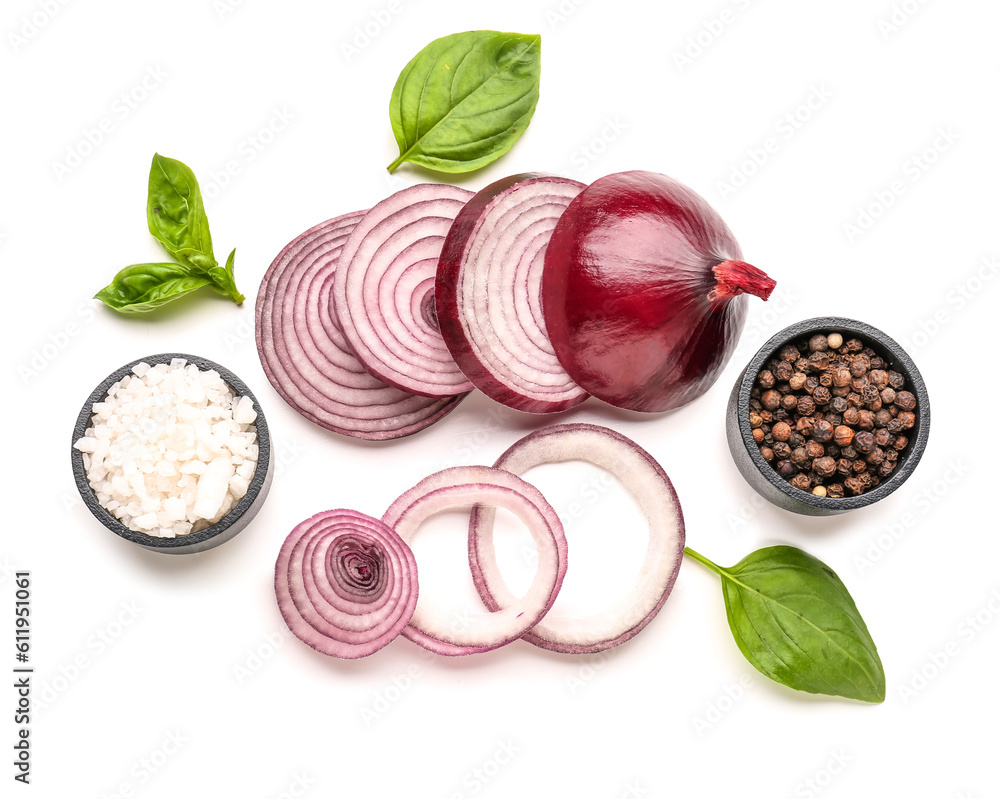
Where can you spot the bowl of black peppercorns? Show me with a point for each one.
(830, 415)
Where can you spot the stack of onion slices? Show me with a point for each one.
(346, 583)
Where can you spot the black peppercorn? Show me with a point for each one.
(882, 417)
(814, 450)
(824, 409)
(789, 353)
(818, 343)
(822, 431)
(905, 401)
(825, 467)
(843, 435)
(786, 469)
(770, 399)
(801, 481)
(781, 450)
(864, 442)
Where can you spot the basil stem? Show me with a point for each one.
(794, 620)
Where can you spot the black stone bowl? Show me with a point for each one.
(763, 477)
(229, 525)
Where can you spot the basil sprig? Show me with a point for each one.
(465, 99)
(175, 213)
(794, 620)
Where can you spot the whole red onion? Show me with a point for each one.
(642, 291)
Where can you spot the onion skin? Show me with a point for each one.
(496, 360)
(644, 291)
(345, 583)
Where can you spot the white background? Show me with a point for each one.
(902, 93)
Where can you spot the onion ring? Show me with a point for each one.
(462, 486)
(639, 472)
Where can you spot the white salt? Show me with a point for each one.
(170, 449)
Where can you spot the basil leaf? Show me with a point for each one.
(141, 288)
(223, 280)
(175, 213)
(465, 99)
(795, 621)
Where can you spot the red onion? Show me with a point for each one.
(642, 291)
(489, 292)
(346, 584)
(383, 294)
(306, 357)
(639, 472)
(464, 486)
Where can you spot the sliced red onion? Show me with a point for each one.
(306, 357)
(643, 477)
(464, 486)
(489, 292)
(383, 294)
(346, 584)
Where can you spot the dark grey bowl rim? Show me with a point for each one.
(884, 345)
(192, 542)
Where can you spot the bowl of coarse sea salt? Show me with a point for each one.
(172, 453)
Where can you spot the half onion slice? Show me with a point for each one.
(643, 477)
(383, 294)
(346, 584)
(464, 486)
(489, 285)
(306, 357)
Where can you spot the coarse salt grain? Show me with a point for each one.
(170, 449)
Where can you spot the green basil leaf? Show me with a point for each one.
(223, 280)
(794, 620)
(141, 288)
(175, 213)
(465, 99)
